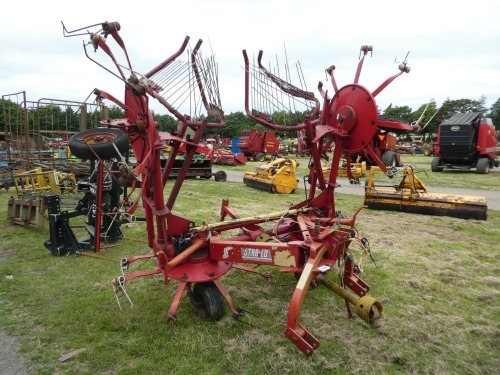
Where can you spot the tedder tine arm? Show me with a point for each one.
(287, 87)
(169, 60)
(364, 50)
(403, 67)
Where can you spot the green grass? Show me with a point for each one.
(437, 278)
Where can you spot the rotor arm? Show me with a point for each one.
(151, 89)
(364, 50)
(403, 68)
(112, 28)
(98, 41)
(105, 95)
(169, 60)
(386, 83)
(323, 93)
(329, 71)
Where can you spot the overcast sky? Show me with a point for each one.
(454, 48)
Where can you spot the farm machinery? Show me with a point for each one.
(277, 176)
(384, 143)
(466, 141)
(411, 195)
(211, 149)
(259, 145)
(220, 156)
(310, 240)
(37, 182)
(357, 168)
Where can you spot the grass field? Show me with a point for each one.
(437, 278)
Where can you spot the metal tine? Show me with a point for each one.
(240, 309)
(66, 32)
(243, 312)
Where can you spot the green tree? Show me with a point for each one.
(10, 117)
(166, 123)
(49, 117)
(115, 112)
(451, 107)
(403, 112)
(235, 123)
(494, 114)
(426, 116)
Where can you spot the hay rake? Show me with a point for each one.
(309, 239)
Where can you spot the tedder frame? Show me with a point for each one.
(310, 239)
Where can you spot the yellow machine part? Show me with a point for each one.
(358, 169)
(411, 195)
(39, 182)
(277, 176)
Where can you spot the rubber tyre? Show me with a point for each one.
(389, 159)
(220, 176)
(98, 143)
(483, 166)
(208, 301)
(436, 164)
(260, 157)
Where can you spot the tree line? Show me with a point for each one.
(429, 114)
(59, 118)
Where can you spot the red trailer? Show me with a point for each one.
(259, 145)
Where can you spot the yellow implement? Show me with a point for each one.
(38, 182)
(358, 169)
(277, 176)
(411, 195)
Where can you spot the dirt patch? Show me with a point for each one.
(11, 361)
(5, 254)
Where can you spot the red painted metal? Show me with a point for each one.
(310, 238)
(253, 143)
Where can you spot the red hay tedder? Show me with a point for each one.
(309, 239)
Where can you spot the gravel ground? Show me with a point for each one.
(11, 361)
(14, 363)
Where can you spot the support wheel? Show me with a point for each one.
(483, 166)
(220, 176)
(437, 164)
(208, 301)
(98, 143)
(389, 159)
